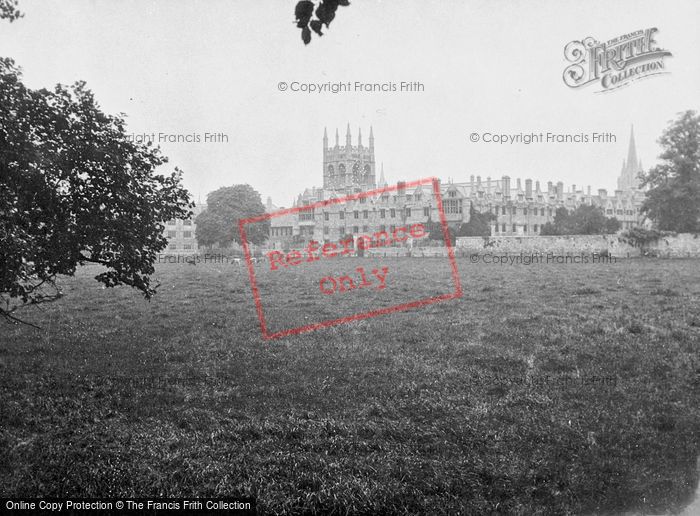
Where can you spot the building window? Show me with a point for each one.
(187, 222)
(503, 228)
(426, 212)
(382, 213)
(363, 200)
(365, 229)
(171, 222)
(453, 206)
(503, 212)
(172, 234)
(542, 212)
(326, 215)
(535, 228)
(525, 228)
(382, 228)
(172, 247)
(408, 212)
(306, 215)
(418, 197)
(392, 228)
(409, 197)
(356, 214)
(355, 229)
(187, 234)
(365, 214)
(452, 193)
(326, 230)
(496, 228)
(341, 230)
(392, 213)
(187, 247)
(342, 215)
(514, 229)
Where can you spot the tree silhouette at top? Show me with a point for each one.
(9, 11)
(325, 13)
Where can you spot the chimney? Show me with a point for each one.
(478, 183)
(573, 188)
(488, 185)
(602, 192)
(519, 186)
(528, 188)
(560, 190)
(472, 187)
(550, 188)
(537, 187)
(589, 190)
(506, 187)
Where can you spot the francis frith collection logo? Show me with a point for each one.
(616, 62)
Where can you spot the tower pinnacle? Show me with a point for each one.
(631, 167)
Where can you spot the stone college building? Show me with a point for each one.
(520, 207)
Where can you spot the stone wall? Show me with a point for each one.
(683, 245)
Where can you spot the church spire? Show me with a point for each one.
(359, 137)
(325, 138)
(371, 138)
(348, 138)
(382, 179)
(628, 179)
(337, 140)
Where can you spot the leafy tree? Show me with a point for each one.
(74, 189)
(9, 11)
(435, 232)
(325, 13)
(584, 220)
(673, 200)
(218, 224)
(479, 224)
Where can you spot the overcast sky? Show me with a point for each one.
(186, 67)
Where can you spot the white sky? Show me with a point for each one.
(182, 66)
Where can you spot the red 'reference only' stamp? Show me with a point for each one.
(360, 276)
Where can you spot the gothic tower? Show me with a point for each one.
(347, 167)
(630, 168)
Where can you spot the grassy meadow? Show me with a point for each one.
(545, 389)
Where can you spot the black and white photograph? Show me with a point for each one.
(350, 257)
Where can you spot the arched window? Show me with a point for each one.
(367, 172)
(331, 171)
(356, 172)
(341, 172)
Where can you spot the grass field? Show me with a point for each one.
(545, 389)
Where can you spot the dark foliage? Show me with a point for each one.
(74, 189)
(584, 220)
(9, 11)
(479, 224)
(218, 224)
(640, 237)
(673, 201)
(325, 13)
